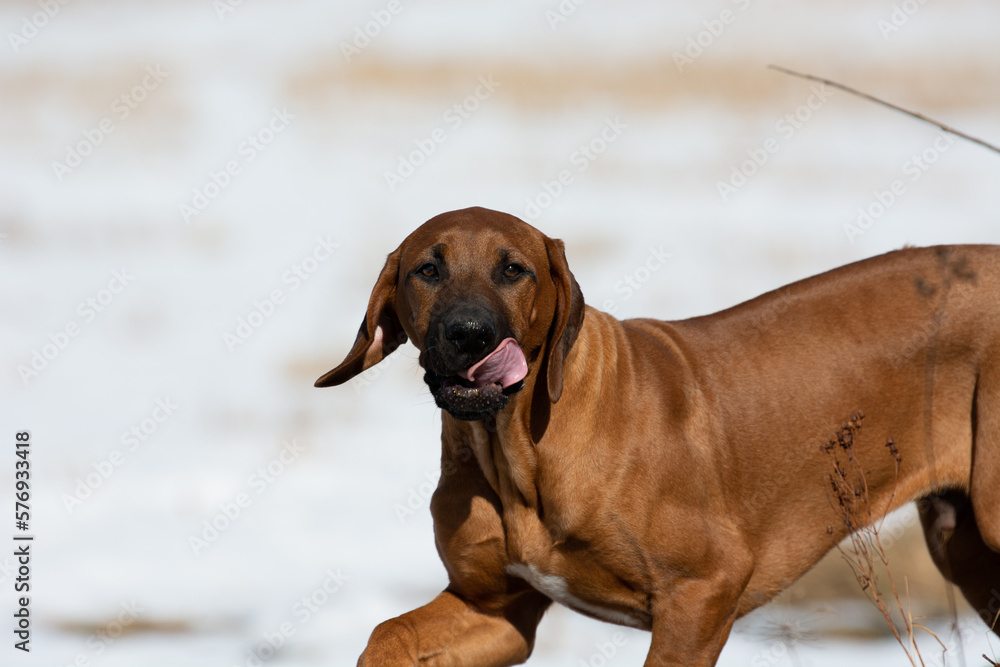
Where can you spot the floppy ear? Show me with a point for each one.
(567, 319)
(380, 333)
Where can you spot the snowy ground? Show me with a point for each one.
(248, 160)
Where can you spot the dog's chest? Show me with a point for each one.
(577, 577)
(578, 567)
(557, 588)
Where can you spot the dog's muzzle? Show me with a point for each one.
(469, 373)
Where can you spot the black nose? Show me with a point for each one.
(468, 335)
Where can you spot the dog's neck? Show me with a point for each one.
(502, 447)
(505, 444)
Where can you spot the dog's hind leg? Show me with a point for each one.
(957, 548)
(984, 488)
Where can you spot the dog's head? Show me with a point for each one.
(486, 298)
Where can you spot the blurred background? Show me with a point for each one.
(198, 196)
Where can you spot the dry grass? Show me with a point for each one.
(650, 83)
(864, 552)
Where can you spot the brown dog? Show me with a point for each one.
(671, 476)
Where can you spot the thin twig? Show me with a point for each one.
(918, 116)
(850, 486)
(931, 633)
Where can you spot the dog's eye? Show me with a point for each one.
(428, 270)
(513, 270)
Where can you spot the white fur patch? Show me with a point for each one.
(555, 587)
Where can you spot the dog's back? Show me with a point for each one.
(927, 320)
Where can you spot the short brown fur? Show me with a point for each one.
(669, 475)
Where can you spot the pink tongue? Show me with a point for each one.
(504, 365)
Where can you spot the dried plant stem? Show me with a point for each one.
(849, 484)
(872, 98)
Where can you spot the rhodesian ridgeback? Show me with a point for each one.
(673, 476)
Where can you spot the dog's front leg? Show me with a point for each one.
(485, 618)
(450, 632)
(692, 620)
